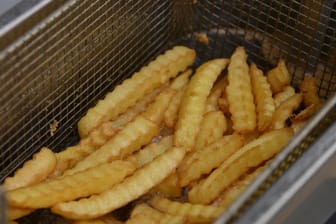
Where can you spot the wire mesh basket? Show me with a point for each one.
(59, 57)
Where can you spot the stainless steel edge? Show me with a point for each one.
(265, 200)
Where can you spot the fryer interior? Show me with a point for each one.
(72, 53)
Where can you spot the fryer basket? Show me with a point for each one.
(58, 58)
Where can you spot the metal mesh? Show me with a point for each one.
(58, 62)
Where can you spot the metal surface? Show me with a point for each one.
(59, 57)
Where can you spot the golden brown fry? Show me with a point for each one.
(156, 215)
(239, 93)
(181, 81)
(249, 156)
(150, 152)
(136, 134)
(284, 111)
(142, 219)
(102, 220)
(125, 95)
(279, 77)
(193, 102)
(170, 115)
(203, 161)
(169, 187)
(263, 98)
(309, 90)
(156, 110)
(193, 212)
(216, 92)
(15, 213)
(71, 155)
(131, 188)
(95, 180)
(233, 192)
(307, 112)
(286, 93)
(213, 127)
(32, 171)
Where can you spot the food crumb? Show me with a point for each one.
(53, 127)
(202, 38)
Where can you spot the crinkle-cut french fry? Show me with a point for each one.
(285, 110)
(193, 102)
(193, 212)
(95, 180)
(32, 171)
(298, 125)
(101, 220)
(138, 108)
(181, 81)
(71, 155)
(216, 92)
(263, 97)
(160, 217)
(169, 187)
(142, 219)
(153, 75)
(279, 77)
(156, 110)
(239, 93)
(131, 188)
(249, 156)
(309, 90)
(286, 93)
(210, 157)
(150, 152)
(15, 213)
(213, 126)
(170, 115)
(130, 139)
(233, 192)
(307, 112)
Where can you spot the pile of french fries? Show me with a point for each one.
(180, 145)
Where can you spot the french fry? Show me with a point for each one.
(155, 111)
(71, 155)
(216, 92)
(152, 76)
(239, 93)
(131, 188)
(33, 171)
(250, 136)
(159, 217)
(285, 110)
(263, 97)
(193, 102)
(142, 219)
(102, 220)
(15, 213)
(233, 192)
(279, 77)
(249, 156)
(170, 115)
(130, 139)
(213, 126)
(223, 103)
(181, 81)
(46, 194)
(309, 90)
(282, 96)
(203, 161)
(169, 187)
(193, 212)
(307, 112)
(150, 152)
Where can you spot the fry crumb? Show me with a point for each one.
(53, 127)
(202, 38)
